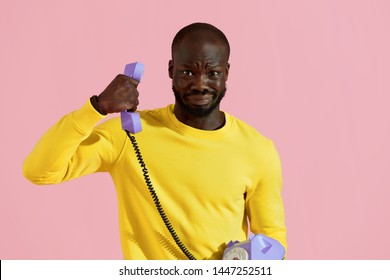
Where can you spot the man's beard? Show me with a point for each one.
(199, 112)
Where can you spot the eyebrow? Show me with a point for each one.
(208, 65)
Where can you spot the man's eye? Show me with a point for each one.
(213, 73)
(187, 72)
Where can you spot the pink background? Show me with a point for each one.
(311, 75)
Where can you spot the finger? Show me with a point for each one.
(133, 81)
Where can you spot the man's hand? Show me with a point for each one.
(120, 95)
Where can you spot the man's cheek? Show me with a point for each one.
(181, 84)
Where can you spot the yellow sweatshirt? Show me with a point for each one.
(208, 182)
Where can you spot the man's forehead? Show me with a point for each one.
(189, 50)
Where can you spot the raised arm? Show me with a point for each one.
(73, 147)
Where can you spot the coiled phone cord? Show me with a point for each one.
(157, 203)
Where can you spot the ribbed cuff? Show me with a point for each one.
(86, 117)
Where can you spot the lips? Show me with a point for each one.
(199, 99)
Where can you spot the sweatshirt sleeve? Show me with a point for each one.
(265, 205)
(70, 149)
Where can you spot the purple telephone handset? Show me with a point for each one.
(131, 121)
(258, 247)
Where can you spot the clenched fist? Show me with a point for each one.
(120, 95)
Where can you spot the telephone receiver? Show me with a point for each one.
(131, 121)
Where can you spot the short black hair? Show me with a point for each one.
(199, 27)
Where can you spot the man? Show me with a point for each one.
(212, 172)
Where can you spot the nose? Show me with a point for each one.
(200, 83)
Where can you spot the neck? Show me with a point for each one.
(213, 121)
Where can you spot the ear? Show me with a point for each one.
(227, 71)
(170, 69)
